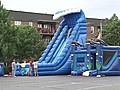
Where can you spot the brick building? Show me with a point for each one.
(46, 25)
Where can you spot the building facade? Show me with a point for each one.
(45, 24)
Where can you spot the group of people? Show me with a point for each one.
(33, 65)
(33, 68)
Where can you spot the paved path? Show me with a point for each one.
(64, 82)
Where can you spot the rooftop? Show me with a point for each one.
(41, 17)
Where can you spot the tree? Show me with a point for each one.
(111, 31)
(4, 26)
(29, 43)
(18, 42)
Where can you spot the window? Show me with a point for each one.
(17, 22)
(39, 25)
(45, 26)
(30, 23)
(92, 29)
(48, 26)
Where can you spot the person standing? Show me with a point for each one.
(30, 68)
(35, 68)
(13, 68)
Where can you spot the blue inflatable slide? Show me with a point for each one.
(56, 58)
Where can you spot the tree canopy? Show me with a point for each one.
(18, 42)
(29, 43)
(111, 31)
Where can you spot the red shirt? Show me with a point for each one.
(30, 63)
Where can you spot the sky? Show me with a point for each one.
(92, 8)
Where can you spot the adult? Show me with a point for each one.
(30, 68)
(13, 68)
(35, 68)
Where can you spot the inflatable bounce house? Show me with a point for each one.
(95, 58)
(69, 51)
(1, 69)
(22, 69)
(56, 58)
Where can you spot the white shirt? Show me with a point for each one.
(35, 64)
(13, 66)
